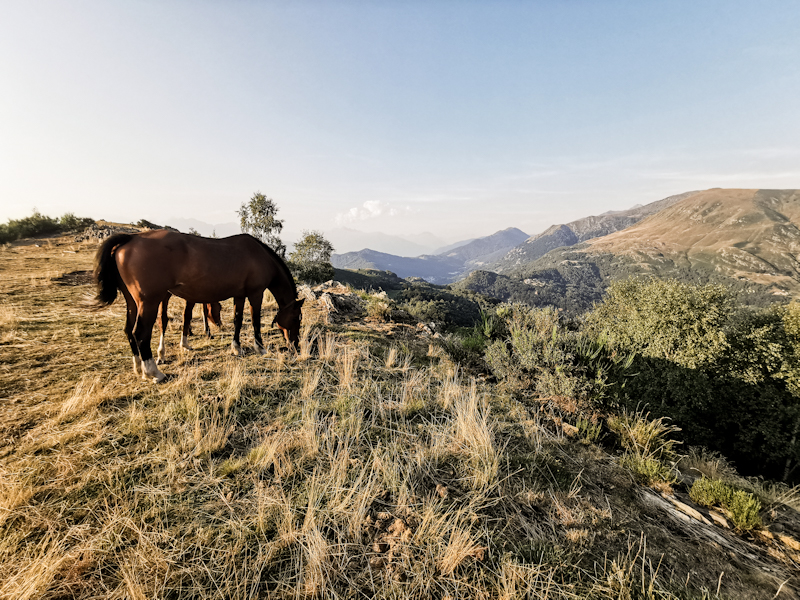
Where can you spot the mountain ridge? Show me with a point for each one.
(435, 268)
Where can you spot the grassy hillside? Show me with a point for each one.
(579, 231)
(368, 465)
(751, 235)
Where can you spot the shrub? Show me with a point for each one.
(742, 506)
(39, 224)
(649, 449)
(378, 306)
(542, 355)
(728, 377)
(69, 222)
(647, 470)
(664, 319)
(645, 437)
(429, 303)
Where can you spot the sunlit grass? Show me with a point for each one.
(383, 469)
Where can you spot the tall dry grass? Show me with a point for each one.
(353, 470)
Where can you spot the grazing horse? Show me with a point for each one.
(211, 312)
(148, 266)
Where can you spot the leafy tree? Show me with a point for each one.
(258, 217)
(311, 259)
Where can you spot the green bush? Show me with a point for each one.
(540, 354)
(742, 506)
(727, 376)
(646, 469)
(39, 224)
(429, 303)
(69, 222)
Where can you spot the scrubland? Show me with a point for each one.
(368, 465)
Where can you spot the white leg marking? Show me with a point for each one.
(185, 343)
(236, 349)
(150, 369)
(162, 350)
(137, 366)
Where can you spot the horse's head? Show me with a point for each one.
(213, 313)
(288, 319)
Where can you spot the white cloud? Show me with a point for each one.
(371, 209)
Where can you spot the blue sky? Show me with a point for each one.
(458, 118)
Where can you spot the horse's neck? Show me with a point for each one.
(283, 291)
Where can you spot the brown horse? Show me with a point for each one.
(148, 266)
(211, 312)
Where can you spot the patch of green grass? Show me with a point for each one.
(646, 469)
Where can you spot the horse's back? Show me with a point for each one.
(195, 268)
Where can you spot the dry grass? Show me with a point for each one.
(9, 322)
(353, 471)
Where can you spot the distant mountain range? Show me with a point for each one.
(580, 231)
(345, 239)
(501, 251)
(451, 264)
(747, 239)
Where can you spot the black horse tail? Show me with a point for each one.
(106, 274)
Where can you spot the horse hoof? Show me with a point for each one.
(236, 349)
(149, 369)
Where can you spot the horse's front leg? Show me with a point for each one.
(255, 313)
(162, 344)
(238, 317)
(187, 326)
(143, 332)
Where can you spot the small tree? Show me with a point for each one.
(258, 218)
(311, 259)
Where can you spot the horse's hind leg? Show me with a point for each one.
(130, 321)
(255, 313)
(238, 316)
(162, 345)
(143, 332)
(206, 328)
(187, 326)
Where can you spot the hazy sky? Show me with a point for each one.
(455, 117)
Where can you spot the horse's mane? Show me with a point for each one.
(281, 265)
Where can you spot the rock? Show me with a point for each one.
(95, 232)
(305, 291)
(687, 510)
